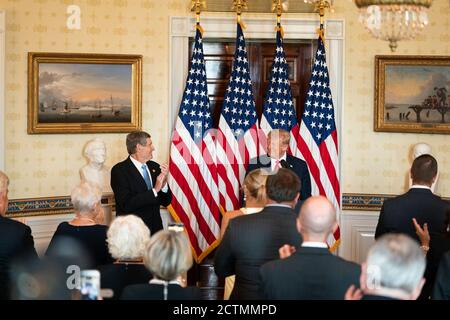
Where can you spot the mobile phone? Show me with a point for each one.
(175, 226)
(90, 285)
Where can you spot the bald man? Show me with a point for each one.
(310, 272)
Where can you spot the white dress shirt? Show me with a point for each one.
(138, 166)
(314, 244)
(273, 162)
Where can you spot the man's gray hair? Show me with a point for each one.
(127, 237)
(4, 182)
(134, 138)
(395, 261)
(85, 196)
(168, 255)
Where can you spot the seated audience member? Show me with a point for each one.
(127, 238)
(441, 289)
(393, 270)
(252, 240)
(16, 241)
(419, 202)
(40, 280)
(255, 199)
(434, 245)
(85, 228)
(168, 256)
(311, 272)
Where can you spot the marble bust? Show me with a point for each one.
(95, 171)
(420, 149)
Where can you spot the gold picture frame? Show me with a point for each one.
(84, 93)
(412, 94)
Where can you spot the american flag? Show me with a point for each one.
(318, 140)
(237, 139)
(278, 108)
(192, 167)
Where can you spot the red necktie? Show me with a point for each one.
(277, 164)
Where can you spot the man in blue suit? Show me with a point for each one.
(140, 184)
(277, 157)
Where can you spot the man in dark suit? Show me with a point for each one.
(419, 202)
(441, 290)
(277, 157)
(16, 241)
(310, 272)
(139, 184)
(251, 240)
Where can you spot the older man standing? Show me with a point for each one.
(139, 184)
(16, 240)
(277, 157)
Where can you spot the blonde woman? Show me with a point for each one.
(127, 239)
(255, 200)
(168, 256)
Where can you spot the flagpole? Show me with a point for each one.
(321, 5)
(239, 5)
(198, 4)
(277, 5)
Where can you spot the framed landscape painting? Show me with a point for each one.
(412, 94)
(84, 93)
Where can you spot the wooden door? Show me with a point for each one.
(219, 58)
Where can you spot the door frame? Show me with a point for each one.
(182, 28)
(2, 88)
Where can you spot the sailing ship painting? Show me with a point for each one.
(417, 94)
(84, 93)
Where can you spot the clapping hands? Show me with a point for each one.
(161, 180)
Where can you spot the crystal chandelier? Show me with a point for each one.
(394, 20)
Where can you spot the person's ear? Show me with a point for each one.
(416, 293)
(363, 277)
(334, 227)
(298, 224)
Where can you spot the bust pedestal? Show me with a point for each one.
(107, 204)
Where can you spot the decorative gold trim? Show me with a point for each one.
(366, 3)
(368, 202)
(61, 205)
(48, 206)
(380, 124)
(35, 58)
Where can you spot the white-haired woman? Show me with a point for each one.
(85, 230)
(168, 256)
(127, 239)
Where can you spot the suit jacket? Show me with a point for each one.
(308, 274)
(439, 245)
(249, 242)
(441, 290)
(295, 164)
(397, 213)
(156, 292)
(16, 242)
(133, 197)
